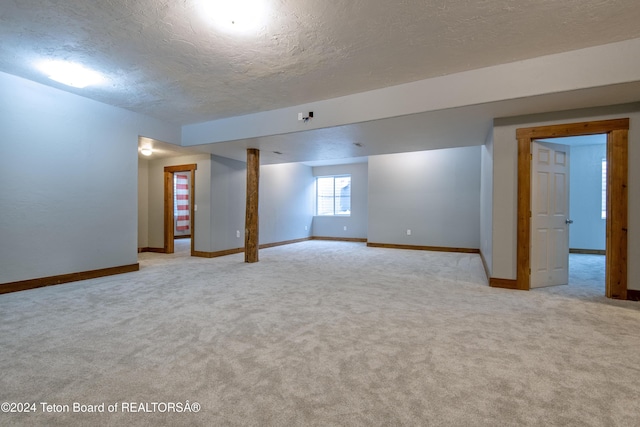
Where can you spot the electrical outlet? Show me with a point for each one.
(306, 228)
(345, 228)
(195, 208)
(300, 116)
(238, 234)
(408, 232)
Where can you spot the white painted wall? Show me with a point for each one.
(357, 222)
(69, 173)
(505, 155)
(435, 194)
(286, 202)
(202, 219)
(588, 230)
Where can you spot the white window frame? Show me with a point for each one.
(334, 212)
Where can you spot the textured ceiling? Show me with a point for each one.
(164, 60)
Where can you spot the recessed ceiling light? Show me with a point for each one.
(71, 74)
(237, 16)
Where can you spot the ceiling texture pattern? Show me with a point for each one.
(163, 59)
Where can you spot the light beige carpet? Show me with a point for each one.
(320, 334)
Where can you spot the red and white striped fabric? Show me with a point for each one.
(182, 202)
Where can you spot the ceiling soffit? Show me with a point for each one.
(163, 60)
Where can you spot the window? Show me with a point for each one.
(333, 195)
(604, 189)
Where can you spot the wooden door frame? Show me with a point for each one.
(168, 204)
(617, 172)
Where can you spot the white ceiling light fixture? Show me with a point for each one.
(71, 74)
(146, 151)
(235, 16)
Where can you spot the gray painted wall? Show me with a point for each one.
(228, 202)
(69, 168)
(143, 203)
(505, 156)
(588, 230)
(286, 202)
(435, 194)
(357, 222)
(202, 219)
(486, 201)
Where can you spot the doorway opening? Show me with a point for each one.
(616, 132)
(179, 181)
(580, 229)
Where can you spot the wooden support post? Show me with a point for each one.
(251, 217)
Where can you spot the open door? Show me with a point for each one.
(549, 214)
(170, 209)
(617, 131)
